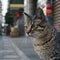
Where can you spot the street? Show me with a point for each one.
(19, 48)
(35, 16)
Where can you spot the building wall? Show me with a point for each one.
(42, 5)
(0, 17)
(56, 14)
(1, 13)
(16, 1)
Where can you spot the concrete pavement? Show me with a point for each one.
(17, 49)
(21, 48)
(25, 45)
(1, 48)
(10, 51)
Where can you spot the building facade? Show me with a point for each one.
(1, 17)
(56, 14)
(52, 11)
(16, 4)
(0, 12)
(16, 8)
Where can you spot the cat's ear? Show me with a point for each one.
(42, 15)
(28, 15)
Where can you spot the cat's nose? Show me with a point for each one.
(28, 34)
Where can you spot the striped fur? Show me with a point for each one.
(43, 41)
(43, 37)
(44, 44)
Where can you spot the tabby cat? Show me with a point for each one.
(43, 37)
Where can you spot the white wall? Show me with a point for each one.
(42, 4)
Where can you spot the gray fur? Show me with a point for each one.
(43, 37)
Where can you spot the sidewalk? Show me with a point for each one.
(11, 52)
(25, 44)
(1, 47)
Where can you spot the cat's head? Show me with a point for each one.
(38, 22)
(36, 29)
